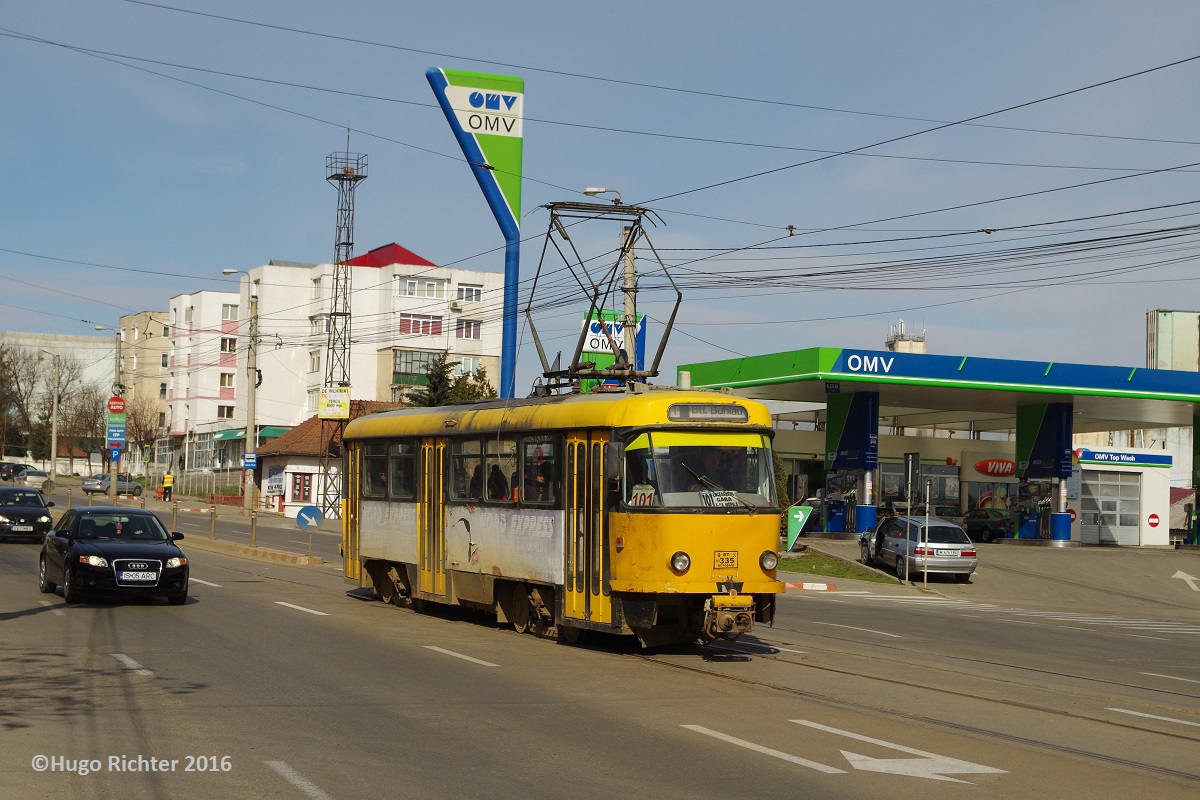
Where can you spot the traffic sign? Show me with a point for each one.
(1153, 520)
(250, 461)
(115, 455)
(116, 404)
(309, 517)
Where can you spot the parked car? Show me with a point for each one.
(106, 550)
(942, 511)
(36, 479)
(908, 547)
(24, 514)
(98, 484)
(9, 472)
(988, 524)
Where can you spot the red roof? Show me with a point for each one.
(387, 255)
(311, 438)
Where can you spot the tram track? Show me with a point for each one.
(843, 703)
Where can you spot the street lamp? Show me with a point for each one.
(54, 415)
(251, 393)
(118, 389)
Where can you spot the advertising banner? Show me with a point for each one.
(333, 402)
(597, 348)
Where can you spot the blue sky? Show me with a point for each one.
(156, 184)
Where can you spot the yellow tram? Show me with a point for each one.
(650, 513)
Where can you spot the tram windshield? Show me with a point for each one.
(690, 469)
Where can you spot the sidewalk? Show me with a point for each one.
(1109, 580)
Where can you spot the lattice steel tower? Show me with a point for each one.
(345, 171)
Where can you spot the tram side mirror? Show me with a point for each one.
(612, 460)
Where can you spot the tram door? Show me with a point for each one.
(351, 566)
(431, 519)
(586, 593)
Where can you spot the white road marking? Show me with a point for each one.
(131, 664)
(867, 630)
(1018, 621)
(804, 762)
(460, 655)
(299, 781)
(733, 649)
(1170, 677)
(301, 608)
(1155, 638)
(56, 611)
(206, 583)
(1153, 716)
(929, 765)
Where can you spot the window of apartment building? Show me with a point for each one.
(316, 288)
(467, 365)
(468, 329)
(319, 325)
(162, 417)
(162, 391)
(470, 292)
(420, 287)
(224, 412)
(187, 315)
(163, 360)
(420, 325)
(226, 380)
(166, 331)
(314, 360)
(133, 363)
(228, 344)
(313, 396)
(229, 312)
(412, 362)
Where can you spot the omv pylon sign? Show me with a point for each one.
(486, 113)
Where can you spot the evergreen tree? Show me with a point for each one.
(439, 381)
(473, 386)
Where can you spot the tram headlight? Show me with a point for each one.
(769, 560)
(681, 561)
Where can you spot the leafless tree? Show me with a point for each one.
(141, 421)
(82, 419)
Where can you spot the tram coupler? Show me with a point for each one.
(728, 616)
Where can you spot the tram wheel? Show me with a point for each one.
(520, 609)
(570, 635)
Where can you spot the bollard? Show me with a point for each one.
(68, 499)
(89, 496)
(174, 515)
(212, 522)
(141, 501)
(253, 528)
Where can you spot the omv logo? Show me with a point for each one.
(614, 328)
(490, 101)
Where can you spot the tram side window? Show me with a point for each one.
(466, 470)
(539, 471)
(375, 466)
(402, 464)
(501, 469)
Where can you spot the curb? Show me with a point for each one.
(254, 552)
(812, 587)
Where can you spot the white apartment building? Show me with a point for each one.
(202, 379)
(405, 310)
(145, 356)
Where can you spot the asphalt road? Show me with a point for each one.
(273, 681)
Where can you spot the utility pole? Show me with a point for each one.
(629, 288)
(114, 461)
(252, 391)
(54, 420)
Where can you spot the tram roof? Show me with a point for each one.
(960, 392)
(574, 411)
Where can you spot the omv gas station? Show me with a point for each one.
(985, 432)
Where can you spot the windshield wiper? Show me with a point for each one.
(704, 481)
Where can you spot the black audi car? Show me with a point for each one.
(24, 514)
(113, 551)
